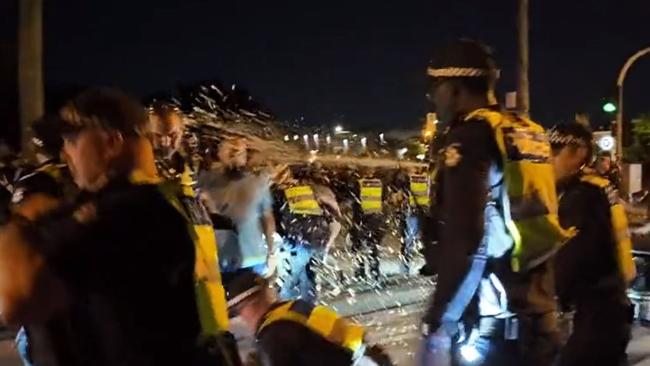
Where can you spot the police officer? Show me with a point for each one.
(167, 132)
(369, 226)
(296, 333)
(608, 169)
(593, 269)
(308, 222)
(413, 187)
(82, 266)
(494, 300)
(173, 164)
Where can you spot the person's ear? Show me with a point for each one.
(114, 143)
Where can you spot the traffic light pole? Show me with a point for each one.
(619, 113)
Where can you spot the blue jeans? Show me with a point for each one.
(22, 345)
(297, 275)
(410, 234)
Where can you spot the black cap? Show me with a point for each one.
(105, 108)
(463, 58)
(569, 134)
(245, 284)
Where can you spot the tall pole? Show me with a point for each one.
(523, 96)
(30, 65)
(619, 83)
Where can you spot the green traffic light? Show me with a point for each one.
(609, 107)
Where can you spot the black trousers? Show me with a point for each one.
(601, 332)
(366, 237)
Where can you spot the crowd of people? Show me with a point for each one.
(123, 243)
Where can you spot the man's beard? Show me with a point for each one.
(164, 153)
(234, 171)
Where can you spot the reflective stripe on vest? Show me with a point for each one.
(530, 202)
(420, 189)
(620, 230)
(320, 320)
(371, 193)
(302, 201)
(210, 294)
(53, 170)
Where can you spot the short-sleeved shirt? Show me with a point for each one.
(243, 198)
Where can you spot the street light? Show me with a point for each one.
(619, 83)
(609, 107)
(338, 129)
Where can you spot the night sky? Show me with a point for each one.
(359, 62)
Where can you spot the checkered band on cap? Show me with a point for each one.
(243, 296)
(458, 72)
(557, 138)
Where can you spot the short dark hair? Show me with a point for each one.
(105, 108)
(163, 109)
(605, 154)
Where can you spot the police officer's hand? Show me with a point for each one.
(271, 263)
(36, 205)
(435, 349)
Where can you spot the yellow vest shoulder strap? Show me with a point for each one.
(618, 217)
(530, 198)
(209, 290)
(595, 180)
(319, 319)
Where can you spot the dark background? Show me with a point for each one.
(360, 63)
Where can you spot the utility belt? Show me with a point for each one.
(499, 328)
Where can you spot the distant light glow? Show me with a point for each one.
(420, 156)
(338, 129)
(295, 137)
(286, 138)
(609, 107)
(606, 143)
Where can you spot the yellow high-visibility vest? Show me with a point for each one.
(620, 229)
(320, 320)
(530, 202)
(302, 201)
(210, 293)
(371, 195)
(419, 184)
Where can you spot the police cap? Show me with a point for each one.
(464, 58)
(574, 134)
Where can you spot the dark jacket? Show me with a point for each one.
(129, 276)
(464, 185)
(589, 258)
(468, 152)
